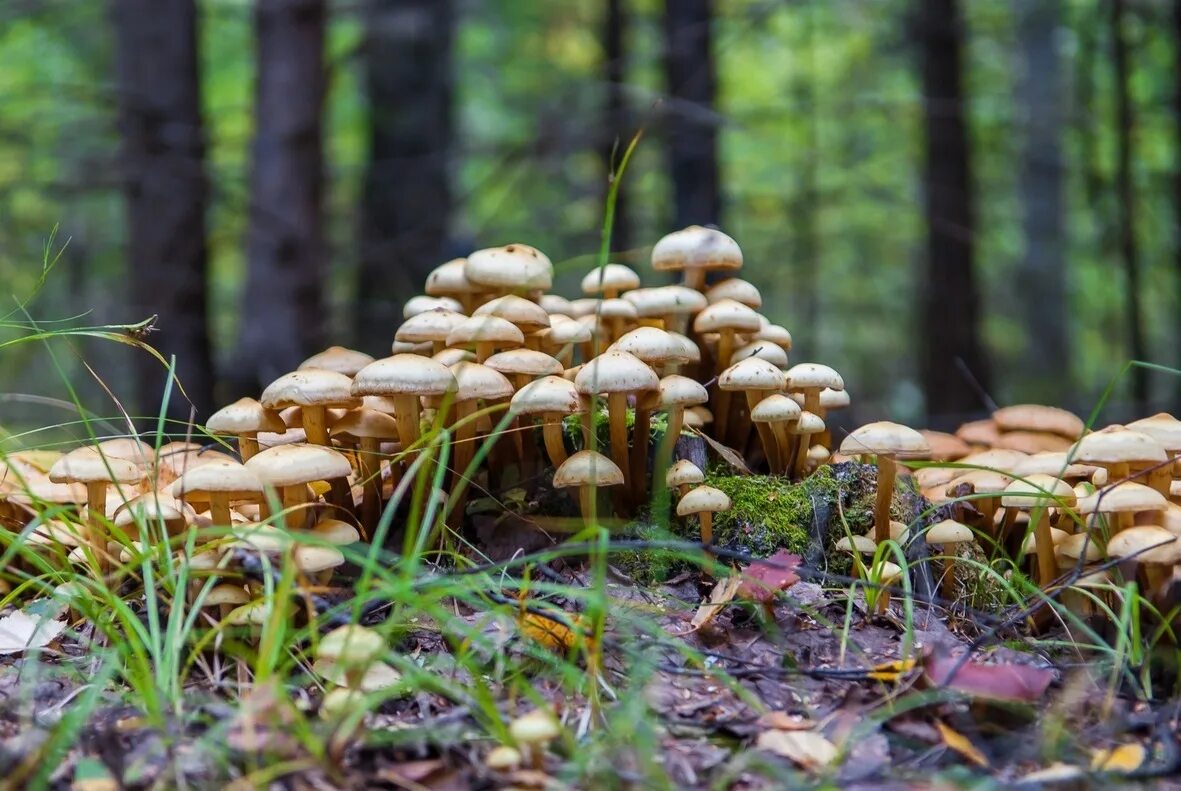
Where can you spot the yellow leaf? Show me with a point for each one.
(552, 634)
(808, 749)
(891, 671)
(1124, 758)
(958, 742)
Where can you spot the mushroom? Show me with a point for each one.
(758, 379)
(368, 428)
(218, 485)
(421, 304)
(695, 251)
(532, 732)
(944, 447)
(1037, 493)
(338, 359)
(980, 434)
(529, 317)
(87, 465)
(683, 475)
(522, 366)
(552, 398)
(609, 281)
(949, 534)
(727, 318)
(666, 307)
(1154, 549)
(511, 269)
(1040, 419)
(887, 442)
(314, 391)
(1117, 449)
(405, 378)
(1166, 430)
(431, 326)
(776, 412)
(737, 289)
(1125, 500)
(449, 281)
(703, 502)
(883, 574)
(616, 315)
(486, 334)
(289, 468)
(808, 425)
(474, 383)
(676, 394)
(352, 649)
(588, 471)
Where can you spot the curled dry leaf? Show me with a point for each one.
(808, 749)
(22, 632)
(722, 594)
(961, 744)
(763, 579)
(1020, 683)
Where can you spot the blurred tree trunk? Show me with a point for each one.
(950, 309)
(616, 118)
(1125, 205)
(407, 200)
(1041, 276)
(690, 118)
(1177, 167)
(163, 161)
(805, 208)
(283, 310)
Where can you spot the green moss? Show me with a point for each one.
(651, 566)
(572, 425)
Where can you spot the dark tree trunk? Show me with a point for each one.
(1125, 205)
(1177, 165)
(949, 324)
(163, 159)
(616, 117)
(1041, 278)
(407, 200)
(691, 121)
(806, 204)
(283, 307)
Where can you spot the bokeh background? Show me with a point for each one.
(949, 201)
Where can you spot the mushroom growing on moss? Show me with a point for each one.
(887, 442)
(588, 471)
(703, 502)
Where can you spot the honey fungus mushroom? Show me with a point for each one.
(886, 442)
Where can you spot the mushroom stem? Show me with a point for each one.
(722, 397)
(694, 278)
(219, 509)
(1047, 564)
(96, 512)
(465, 439)
(293, 498)
(947, 583)
(369, 460)
(586, 502)
(315, 424)
(639, 451)
(617, 418)
(555, 443)
(799, 463)
(766, 434)
(484, 350)
(706, 518)
(782, 447)
(883, 497)
(247, 446)
(406, 415)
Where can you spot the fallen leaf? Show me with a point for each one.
(1022, 683)
(961, 744)
(1054, 773)
(722, 594)
(807, 749)
(21, 632)
(782, 721)
(728, 455)
(891, 671)
(1124, 758)
(551, 633)
(762, 579)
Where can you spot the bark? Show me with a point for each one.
(691, 121)
(409, 80)
(283, 308)
(616, 116)
(1125, 205)
(1041, 277)
(164, 183)
(950, 317)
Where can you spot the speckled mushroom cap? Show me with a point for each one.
(548, 394)
(421, 304)
(1165, 547)
(834, 399)
(449, 279)
(587, 468)
(1038, 489)
(311, 387)
(1036, 417)
(524, 361)
(703, 499)
(1162, 427)
(696, 247)
(677, 390)
(429, 326)
(752, 373)
(479, 381)
(485, 329)
(808, 375)
(666, 300)
(527, 316)
(884, 438)
(1126, 497)
(243, 416)
(726, 314)
(736, 289)
(88, 465)
(338, 359)
(616, 372)
(683, 473)
(690, 350)
(653, 346)
(404, 374)
(1117, 444)
(764, 350)
(510, 268)
(776, 408)
(366, 424)
(291, 465)
(773, 333)
(226, 477)
(610, 277)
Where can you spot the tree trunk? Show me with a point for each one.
(691, 120)
(407, 200)
(950, 315)
(1041, 277)
(805, 208)
(1177, 169)
(1125, 206)
(163, 160)
(616, 118)
(283, 308)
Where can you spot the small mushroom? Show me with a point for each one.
(703, 502)
(949, 534)
(245, 418)
(886, 441)
(588, 471)
(532, 732)
(682, 476)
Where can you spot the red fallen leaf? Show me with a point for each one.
(1022, 683)
(762, 579)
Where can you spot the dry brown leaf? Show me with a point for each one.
(782, 721)
(728, 455)
(961, 744)
(722, 594)
(808, 749)
(20, 632)
(1124, 758)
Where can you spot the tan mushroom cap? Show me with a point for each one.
(885, 572)
(1074, 545)
(527, 316)
(1038, 489)
(583, 306)
(776, 408)
(338, 359)
(336, 532)
(616, 372)
(774, 333)
(548, 394)
(567, 331)
(808, 423)
(949, 532)
(726, 314)
(1004, 459)
(225, 477)
(616, 308)
(536, 727)
(677, 390)
(610, 277)
(1165, 547)
(1029, 546)
(666, 300)
(88, 465)
(806, 375)
(291, 465)
(485, 329)
(653, 346)
(449, 279)
(351, 646)
(683, 473)
(429, 326)
(401, 347)
(243, 416)
(703, 499)
(449, 357)
(764, 350)
(991, 482)
(862, 545)
(421, 304)
(1036, 417)
(366, 424)
(314, 559)
(944, 446)
(479, 381)
(554, 304)
(311, 387)
(834, 399)
(1033, 441)
(33, 486)
(884, 438)
(737, 289)
(226, 593)
(153, 507)
(691, 352)
(1117, 444)
(524, 361)
(1126, 497)
(1162, 427)
(1051, 463)
(509, 268)
(696, 247)
(752, 374)
(979, 432)
(587, 468)
(404, 374)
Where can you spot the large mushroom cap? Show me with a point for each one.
(752, 373)
(338, 359)
(243, 416)
(510, 268)
(696, 247)
(884, 438)
(944, 446)
(1154, 545)
(449, 279)
(224, 477)
(404, 374)
(1126, 497)
(610, 277)
(587, 468)
(291, 465)
(949, 532)
(527, 316)
(1036, 417)
(429, 326)
(366, 424)
(485, 329)
(1117, 444)
(726, 314)
(807, 375)
(479, 381)
(616, 372)
(776, 408)
(88, 465)
(677, 390)
(736, 289)
(526, 362)
(666, 300)
(653, 346)
(703, 499)
(310, 387)
(548, 394)
(1038, 489)
(1162, 427)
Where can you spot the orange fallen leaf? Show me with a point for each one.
(549, 632)
(961, 744)
(891, 671)
(1124, 758)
